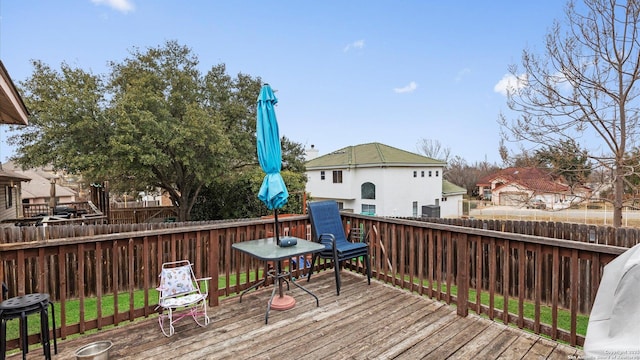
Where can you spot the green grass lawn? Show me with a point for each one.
(564, 316)
(72, 307)
(90, 305)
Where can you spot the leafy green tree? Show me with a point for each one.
(236, 196)
(567, 160)
(68, 127)
(632, 178)
(155, 120)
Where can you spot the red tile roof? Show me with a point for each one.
(535, 179)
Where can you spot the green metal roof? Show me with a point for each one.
(369, 155)
(449, 188)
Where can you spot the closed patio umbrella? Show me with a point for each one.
(273, 191)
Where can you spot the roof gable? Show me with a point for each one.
(370, 155)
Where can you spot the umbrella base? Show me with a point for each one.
(284, 302)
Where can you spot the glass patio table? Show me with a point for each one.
(267, 250)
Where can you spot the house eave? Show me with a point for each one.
(12, 108)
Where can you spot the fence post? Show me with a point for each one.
(462, 280)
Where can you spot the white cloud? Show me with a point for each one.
(462, 74)
(359, 44)
(123, 6)
(407, 89)
(510, 83)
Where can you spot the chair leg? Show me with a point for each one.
(201, 310)
(167, 329)
(368, 262)
(24, 336)
(44, 331)
(336, 267)
(3, 338)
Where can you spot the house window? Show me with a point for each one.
(429, 173)
(415, 206)
(437, 172)
(368, 209)
(322, 175)
(486, 194)
(8, 191)
(337, 176)
(422, 173)
(415, 174)
(368, 191)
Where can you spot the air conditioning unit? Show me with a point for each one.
(431, 211)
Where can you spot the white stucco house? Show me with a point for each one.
(381, 180)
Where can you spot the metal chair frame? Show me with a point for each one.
(181, 295)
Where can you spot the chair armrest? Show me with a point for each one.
(204, 281)
(331, 239)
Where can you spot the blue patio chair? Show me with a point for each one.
(181, 295)
(326, 228)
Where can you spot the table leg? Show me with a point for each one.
(273, 293)
(254, 286)
(308, 292)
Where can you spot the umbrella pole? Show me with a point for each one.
(279, 269)
(275, 230)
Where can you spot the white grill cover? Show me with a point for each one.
(614, 324)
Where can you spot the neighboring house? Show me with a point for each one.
(14, 112)
(452, 197)
(377, 179)
(517, 186)
(39, 189)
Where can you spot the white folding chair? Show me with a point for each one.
(181, 295)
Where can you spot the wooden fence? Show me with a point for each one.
(595, 234)
(138, 215)
(140, 219)
(453, 264)
(72, 228)
(115, 215)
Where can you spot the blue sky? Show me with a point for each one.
(345, 72)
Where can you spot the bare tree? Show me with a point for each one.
(584, 86)
(434, 149)
(466, 175)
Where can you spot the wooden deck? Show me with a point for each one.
(364, 322)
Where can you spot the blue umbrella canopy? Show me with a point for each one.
(273, 191)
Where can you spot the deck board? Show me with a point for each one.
(364, 322)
